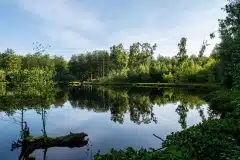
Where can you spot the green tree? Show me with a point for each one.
(118, 57)
(229, 47)
(10, 61)
(2, 76)
(182, 111)
(182, 54)
(61, 69)
(203, 48)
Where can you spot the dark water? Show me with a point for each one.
(111, 117)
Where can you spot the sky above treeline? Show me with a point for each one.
(76, 26)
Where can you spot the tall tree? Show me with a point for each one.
(182, 54)
(203, 48)
(11, 61)
(229, 48)
(118, 57)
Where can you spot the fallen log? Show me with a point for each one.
(30, 144)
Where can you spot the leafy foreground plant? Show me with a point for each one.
(213, 139)
(142, 154)
(226, 103)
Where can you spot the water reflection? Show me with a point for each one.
(29, 144)
(141, 106)
(138, 102)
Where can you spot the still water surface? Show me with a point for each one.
(115, 118)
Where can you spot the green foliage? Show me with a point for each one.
(139, 65)
(32, 76)
(142, 154)
(2, 76)
(118, 57)
(9, 61)
(229, 48)
(182, 54)
(204, 46)
(213, 139)
(11, 64)
(182, 111)
(137, 102)
(168, 77)
(32, 82)
(61, 70)
(225, 102)
(90, 65)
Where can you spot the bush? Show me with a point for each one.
(168, 77)
(2, 76)
(142, 154)
(225, 102)
(212, 139)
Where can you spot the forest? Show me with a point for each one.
(137, 63)
(34, 75)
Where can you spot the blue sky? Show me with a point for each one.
(77, 26)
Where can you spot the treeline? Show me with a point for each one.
(139, 65)
(32, 67)
(119, 65)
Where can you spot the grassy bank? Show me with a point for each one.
(151, 84)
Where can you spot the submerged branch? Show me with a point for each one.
(158, 137)
(31, 144)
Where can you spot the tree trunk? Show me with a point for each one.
(72, 140)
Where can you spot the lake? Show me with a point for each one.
(112, 118)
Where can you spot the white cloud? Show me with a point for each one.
(196, 25)
(65, 22)
(63, 13)
(77, 27)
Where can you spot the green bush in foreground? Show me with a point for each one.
(212, 139)
(226, 102)
(142, 154)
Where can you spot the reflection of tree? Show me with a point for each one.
(61, 97)
(43, 112)
(137, 101)
(182, 111)
(29, 143)
(32, 96)
(88, 99)
(3, 86)
(118, 102)
(13, 101)
(141, 109)
(165, 97)
(201, 113)
(39, 96)
(211, 114)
